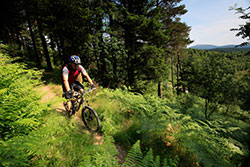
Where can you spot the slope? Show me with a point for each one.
(153, 131)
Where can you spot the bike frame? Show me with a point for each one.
(79, 96)
(88, 114)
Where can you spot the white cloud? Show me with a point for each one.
(212, 20)
(217, 32)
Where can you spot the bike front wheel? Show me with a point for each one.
(90, 119)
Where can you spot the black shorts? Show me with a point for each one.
(74, 86)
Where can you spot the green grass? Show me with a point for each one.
(171, 131)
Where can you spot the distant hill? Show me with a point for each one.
(204, 46)
(209, 47)
(225, 48)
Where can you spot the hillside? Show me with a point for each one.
(203, 46)
(136, 129)
(224, 48)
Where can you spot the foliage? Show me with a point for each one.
(243, 30)
(165, 129)
(19, 106)
(154, 131)
(214, 76)
(58, 142)
(186, 101)
(123, 42)
(136, 158)
(103, 156)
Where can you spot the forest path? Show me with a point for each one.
(53, 94)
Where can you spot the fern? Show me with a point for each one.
(104, 155)
(208, 142)
(211, 148)
(135, 157)
(15, 153)
(19, 105)
(173, 138)
(149, 158)
(149, 161)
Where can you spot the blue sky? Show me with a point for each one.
(211, 21)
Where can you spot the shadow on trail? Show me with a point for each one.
(63, 112)
(54, 77)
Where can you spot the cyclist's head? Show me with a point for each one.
(74, 59)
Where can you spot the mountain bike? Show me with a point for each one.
(89, 116)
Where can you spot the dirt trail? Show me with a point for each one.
(49, 94)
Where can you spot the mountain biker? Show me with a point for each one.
(70, 72)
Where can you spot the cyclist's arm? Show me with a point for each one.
(65, 77)
(85, 74)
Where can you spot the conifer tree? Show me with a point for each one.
(243, 30)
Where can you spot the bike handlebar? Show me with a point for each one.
(90, 89)
(76, 93)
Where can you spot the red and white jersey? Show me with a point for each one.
(71, 73)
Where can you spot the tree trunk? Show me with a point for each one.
(38, 61)
(17, 38)
(178, 72)
(9, 37)
(59, 50)
(63, 52)
(44, 43)
(114, 59)
(172, 72)
(213, 110)
(102, 55)
(22, 41)
(103, 69)
(98, 63)
(206, 108)
(114, 64)
(160, 89)
(52, 45)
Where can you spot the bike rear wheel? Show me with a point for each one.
(90, 119)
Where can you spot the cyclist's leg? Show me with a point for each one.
(77, 86)
(68, 103)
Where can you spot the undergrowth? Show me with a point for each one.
(154, 132)
(169, 131)
(19, 103)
